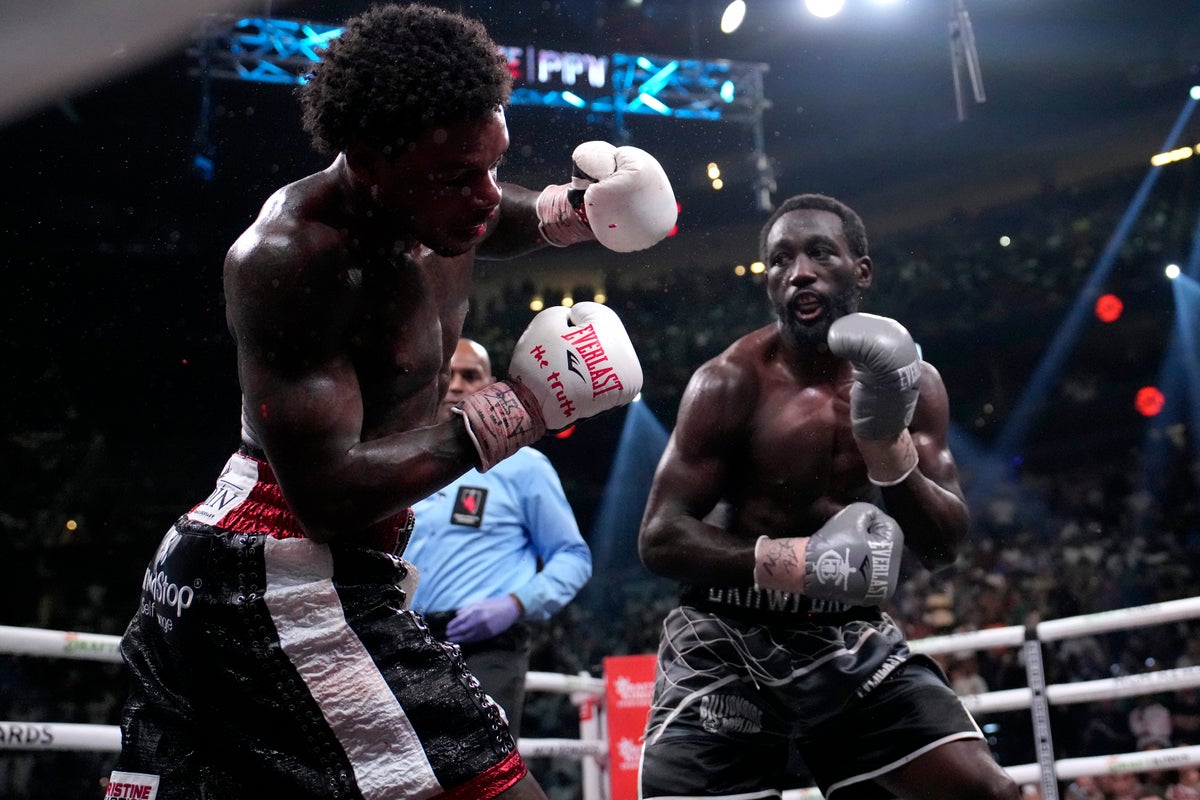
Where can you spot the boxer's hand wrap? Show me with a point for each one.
(561, 222)
(501, 419)
(889, 461)
(854, 558)
(619, 196)
(887, 373)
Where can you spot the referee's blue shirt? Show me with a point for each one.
(484, 534)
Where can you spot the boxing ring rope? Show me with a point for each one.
(587, 693)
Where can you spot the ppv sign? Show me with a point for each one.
(556, 68)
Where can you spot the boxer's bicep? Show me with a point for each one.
(675, 540)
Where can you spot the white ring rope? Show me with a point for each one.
(39, 736)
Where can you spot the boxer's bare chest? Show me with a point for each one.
(801, 460)
(408, 314)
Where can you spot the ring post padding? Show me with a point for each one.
(1042, 741)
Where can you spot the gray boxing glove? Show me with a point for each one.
(887, 368)
(854, 558)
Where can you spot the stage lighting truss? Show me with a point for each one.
(265, 50)
(283, 51)
(269, 50)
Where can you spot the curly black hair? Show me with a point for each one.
(395, 71)
(852, 224)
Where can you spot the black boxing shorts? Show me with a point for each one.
(731, 696)
(265, 664)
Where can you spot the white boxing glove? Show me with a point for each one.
(619, 196)
(570, 364)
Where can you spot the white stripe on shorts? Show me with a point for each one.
(388, 759)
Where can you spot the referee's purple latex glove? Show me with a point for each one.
(483, 619)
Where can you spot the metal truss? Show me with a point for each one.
(283, 51)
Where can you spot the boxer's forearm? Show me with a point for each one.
(935, 520)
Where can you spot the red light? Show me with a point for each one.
(1149, 401)
(678, 210)
(565, 433)
(1109, 307)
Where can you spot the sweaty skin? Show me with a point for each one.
(763, 446)
(763, 431)
(347, 297)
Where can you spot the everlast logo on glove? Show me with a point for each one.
(540, 393)
(601, 376)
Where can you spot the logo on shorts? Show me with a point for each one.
(725, 713)
(132, 786)
(468, 506)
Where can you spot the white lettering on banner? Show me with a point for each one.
(630, 754)
(633, 694)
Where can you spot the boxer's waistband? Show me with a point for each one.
(771, 606)
(248, 499)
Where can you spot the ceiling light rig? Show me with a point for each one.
(733, 16)
(964, 58)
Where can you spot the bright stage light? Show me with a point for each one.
(1149, 401)
(1172, 271)
(824, 8)
(735, 12)
(1171, 156)
(1108, 308)
(1195, 93)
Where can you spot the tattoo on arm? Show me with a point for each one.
(781, 560)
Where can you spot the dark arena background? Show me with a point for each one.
(1029, 175)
